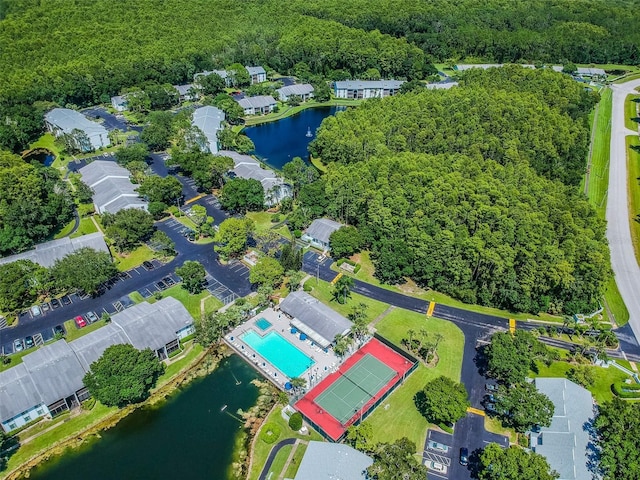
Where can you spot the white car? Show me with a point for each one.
(436, 467)
(35, 311)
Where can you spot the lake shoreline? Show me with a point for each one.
(203, 365)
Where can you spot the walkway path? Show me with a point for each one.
(623, 259)
(272, 456)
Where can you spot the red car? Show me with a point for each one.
(80, 322)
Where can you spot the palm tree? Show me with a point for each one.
(411, 333)
(342, 289)
(297, 384)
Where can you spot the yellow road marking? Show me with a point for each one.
(333, 282)
(432, 306)
(476, 411)
(512, 326)
(194, 199)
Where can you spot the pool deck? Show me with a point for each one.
(325, 363)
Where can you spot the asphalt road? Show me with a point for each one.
(109, 121)
(623, 259)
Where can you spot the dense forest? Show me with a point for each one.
(469, 191)
(80, 52)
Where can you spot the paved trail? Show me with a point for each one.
(623, 259)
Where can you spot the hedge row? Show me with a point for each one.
(350, 262)
(626, 390)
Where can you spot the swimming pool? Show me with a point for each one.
(280, 353)
(263, 323)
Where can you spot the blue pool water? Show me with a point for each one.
(263, 323)
(280, 353)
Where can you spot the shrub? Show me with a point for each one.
(270, 433)
(307, 287)
(626, 390)
(295, 421)
(297, 233)
(276, 218)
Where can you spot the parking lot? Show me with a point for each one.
(438, 454)
(159, 285)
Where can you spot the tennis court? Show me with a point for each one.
(355, 387)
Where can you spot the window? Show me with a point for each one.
(27, 418)
(12, 426)
(40, 411)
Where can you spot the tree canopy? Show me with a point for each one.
(85, 269)
(232, 236)
(242, 194)
(396, 460)
(193, 275)
(522, 406)
(267, 271)
(443, 401)
(618, 426)
(509, 357)
(513, 463)
(123, 375)
(128, 227)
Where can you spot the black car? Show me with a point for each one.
(28, 342)
(161, 285)
(148, 265)
(464, 456)
(55, 303)
(58, 330)
(169, 281)
(66, 300)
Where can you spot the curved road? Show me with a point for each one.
(623, 260)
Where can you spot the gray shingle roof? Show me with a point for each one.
(332, 461)
(322, 228)
(56, 370)
(17, 392)
(368, 84)
(315, 316)
(183, 89)
(255, 70)
(209, 121)
(296, 89)
(441, 86)
(153, 326)
(259, 101)
(47, 253)
(67, 120)
(249, 167)
(112, 187)
(566, 442)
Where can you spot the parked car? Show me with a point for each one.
(80, 322)
(66, 300)
(44, 307)
(28, 342)
(92, 317)
(169, 281)
(161, 285)
(491, 398)
(491, 387)
(35, 311)
(464, 456)
(490, 407)
(17, 345)
(59, 330)
(55, 303)
(436, 466)
(148, 265)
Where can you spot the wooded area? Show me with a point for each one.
(449, 188)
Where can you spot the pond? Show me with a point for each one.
(42, 155)
(279, 142)
(188, 436)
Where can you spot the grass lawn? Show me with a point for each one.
(212, 304)
(287, 111)
(136, 297)
(411, 289)
(278, 463)
(262, 220)
(187, 222)
(599, 173)
(175, 367)
(86, 227)
(633, 165)
(74, 332)
(190, 302)
(16, 358)
(322, 291)
(601, 389)
(46, 440)
(615, 304)
(295, 461)
(48, 141)
(630, 112)
(262, 448)
(66, 230)
(494, 424)
(134, 258)
(401, 418)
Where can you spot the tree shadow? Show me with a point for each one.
(9, 447)
(480, 360)
(419, 400)
(635, 148)
(593, 450)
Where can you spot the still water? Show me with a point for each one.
(278, 142)
(188, 436)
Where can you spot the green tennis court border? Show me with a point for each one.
(355, 388)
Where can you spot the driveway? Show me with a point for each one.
(109, 121)
(623, 259)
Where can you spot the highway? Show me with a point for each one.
(623, 262)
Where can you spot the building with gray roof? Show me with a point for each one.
(258, 105)
(313, 318)
(275, 188)
(257, 74)
(64, 121)
(318, 233)
(47, 253)
(566, 443)
(332, 461)
(441, 85)
(119, 103)
(485, 66)
(228, 79)
(186, 92)
(209, 121)
(302, 90)
(359, 89)
(112, 187)
(49, 379)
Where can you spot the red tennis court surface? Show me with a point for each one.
(326, 422)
